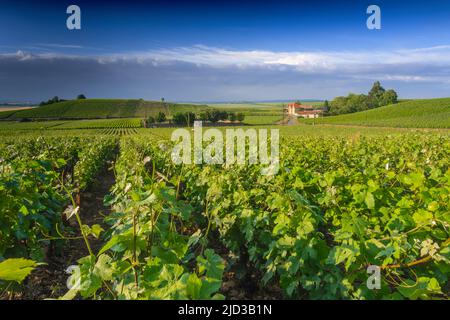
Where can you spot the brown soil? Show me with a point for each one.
(49, 281)
(247, 287)
(250, 288)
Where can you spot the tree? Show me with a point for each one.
(55, 99)
(161, 117)
(204, 116)
(389, 97)
(338, 105)
(81, 96)
(151, 120)
(214, 116)
(240, 117)
(223, 115)
(356, 102)
(326, 106)
(183, 118)
(376, 95)
(190, 118)
(178, 118)
(232, 116)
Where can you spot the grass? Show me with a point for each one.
(101, 108)
(261, 120)
(430, 113)
(250, 109)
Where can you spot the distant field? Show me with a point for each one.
(101, 108)
(133, 108)
(9, 108)
(258, 108)
(108, 123)
(14, 125)
(250, 109)
(300, 131)
(261, 120)
(6, 114)
(430, 113)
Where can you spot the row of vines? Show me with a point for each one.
(336, 207)
(40, 180)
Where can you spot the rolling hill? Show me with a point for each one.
(429, 113)
(100, 108)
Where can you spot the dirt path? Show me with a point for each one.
(292, 121)
(49, 281)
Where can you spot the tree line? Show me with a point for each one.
(56, 99)
(377, 97)
(188, 118)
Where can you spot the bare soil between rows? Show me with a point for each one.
(49, 281)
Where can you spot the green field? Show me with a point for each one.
(101, 108)
(117, 126)
(262, 120)
(34, 125)
(429, 113)
(8, 113)
(345, 197)
(101, 123)
(251, 109)
(256, 113)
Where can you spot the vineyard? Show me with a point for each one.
(100, 108)
(102, 124)
(429, 113)
(78, 124)
(338, 205)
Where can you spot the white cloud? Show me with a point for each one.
(202, 72)
(60, 46)
(302, 61)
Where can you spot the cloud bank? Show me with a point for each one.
(207, 73)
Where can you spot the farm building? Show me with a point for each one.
(304, 111)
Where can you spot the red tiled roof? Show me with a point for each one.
(299, 105)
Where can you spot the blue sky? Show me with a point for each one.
(233, 50)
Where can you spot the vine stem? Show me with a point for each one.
(209, 223)
(405, 265)
(415, 262)
(80, 224)
(134, 249)
(6, 290)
